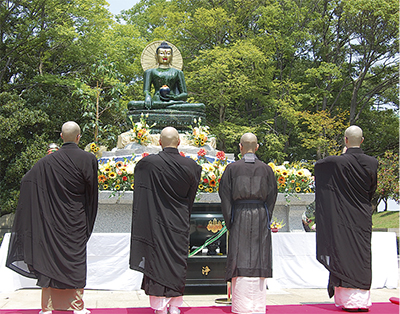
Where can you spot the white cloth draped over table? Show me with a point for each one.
(294, 263)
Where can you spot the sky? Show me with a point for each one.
(116, 6)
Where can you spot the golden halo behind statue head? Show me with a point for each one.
(149, 60)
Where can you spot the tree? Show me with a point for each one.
(47, 37)
(22, 144)
(99, 94)
(324, 134)
(388, 178)
(381, 131)
(318, 57)
(46, 48)
(230, 78)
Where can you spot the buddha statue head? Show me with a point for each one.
(164, 55)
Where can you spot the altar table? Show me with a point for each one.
(294, 263)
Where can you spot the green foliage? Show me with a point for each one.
(381, 131)
(22, 144)
(295, 73)
(323, 133)
(100, 94)
(388, 178)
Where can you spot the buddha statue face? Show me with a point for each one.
(164, 56)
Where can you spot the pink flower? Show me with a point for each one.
(145, 154)
(202, 152)
(182, 154)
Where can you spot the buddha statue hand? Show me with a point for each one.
(168, 97)
(148, 102)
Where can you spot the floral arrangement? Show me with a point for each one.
(276, 224)
(95, 149)
(116, 175)
(293, 178)
(119, 175)
(211, 172)
(200, 134)
(140, 130)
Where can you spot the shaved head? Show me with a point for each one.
(169, 137)
(70, 132)
(248, 143)
(353, 136)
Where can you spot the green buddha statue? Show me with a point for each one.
(168, 82)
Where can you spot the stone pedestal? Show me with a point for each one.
(115, 210)
(181, 120)
(290, 209)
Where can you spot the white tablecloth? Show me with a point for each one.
(294, 263)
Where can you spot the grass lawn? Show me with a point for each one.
(388, 219)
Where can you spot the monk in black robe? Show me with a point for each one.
(248, 192)
(165, 189)
(344, 188)
(54, 219)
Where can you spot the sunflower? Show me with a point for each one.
(102, 178)
(132, 186)
(298, 189)
(210, 190)
(300, 173)
(92, 146)
(117, 187)
(105, 186)
(112, 175)
(285, 173)
(213, 183)
(201, 186)
(119, 164)
(282, 180)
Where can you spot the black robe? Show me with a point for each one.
(249, 247)
(55, 216)
(344, 188)
(165, 189)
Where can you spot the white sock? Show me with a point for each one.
(174, 310)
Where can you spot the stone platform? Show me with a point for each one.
(179, 119)
(115, 211)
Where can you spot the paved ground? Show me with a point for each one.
(30, 298)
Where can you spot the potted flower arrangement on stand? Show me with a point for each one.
(276, 225)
